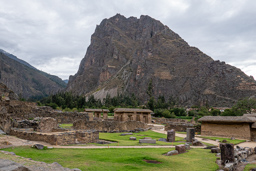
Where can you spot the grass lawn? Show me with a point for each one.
(66, 126)
(248, 167)
(236, 141)
(122, 159)
(125, 141)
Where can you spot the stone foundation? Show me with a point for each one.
(58, 138)
(110, 126)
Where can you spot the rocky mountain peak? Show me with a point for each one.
(126, 53)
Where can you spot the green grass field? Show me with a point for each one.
(248, 167)
(125, 141)
(122, 159)
(66, 126)
(236, 141)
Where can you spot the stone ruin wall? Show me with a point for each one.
(240, 131)
(169, 120)
(182, 127)
(253, 134)
(11, 112)
(110, 126)
(29, 110)
(63, 138)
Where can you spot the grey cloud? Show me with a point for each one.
(42, 31)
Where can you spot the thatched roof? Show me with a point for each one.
(232, 119)
(131, 110)
(96, 110)
(250, 115)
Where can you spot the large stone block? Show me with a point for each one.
(173, 152)
(190, 134)
(180, 148)
(171, 136)
(150, 141)
(227, 153)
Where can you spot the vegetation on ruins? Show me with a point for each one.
(122, 159)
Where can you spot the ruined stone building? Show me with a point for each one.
(126, 114)
(241, 127)
(97, 113)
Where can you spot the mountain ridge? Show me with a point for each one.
(25, 80)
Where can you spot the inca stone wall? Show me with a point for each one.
(181, 127)
(47, 124)
(60, 138)
(236, 130)
(109, 126)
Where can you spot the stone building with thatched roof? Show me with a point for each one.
(241, 127)
(127, 114)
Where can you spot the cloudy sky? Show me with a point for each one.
(53, 35)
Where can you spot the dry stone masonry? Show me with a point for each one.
(58, 138)
(110, 126)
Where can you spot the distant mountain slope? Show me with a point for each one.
(126, 53)
(25, 79)
(51, 77)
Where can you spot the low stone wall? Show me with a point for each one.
(168, 120)
(182, 127)
(60, 138)
(110, 126)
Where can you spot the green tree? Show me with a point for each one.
(151, 103)
(150, 89)
(228, 112)
(245, 105)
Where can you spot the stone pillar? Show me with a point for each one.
(149, 118)
(171, 135)
(125, 117)
(105, 115)
(141, 117)
(227, 153)
(190, 134)
(90, 116)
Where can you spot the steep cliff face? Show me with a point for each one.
(126, 53)
(27, 81)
